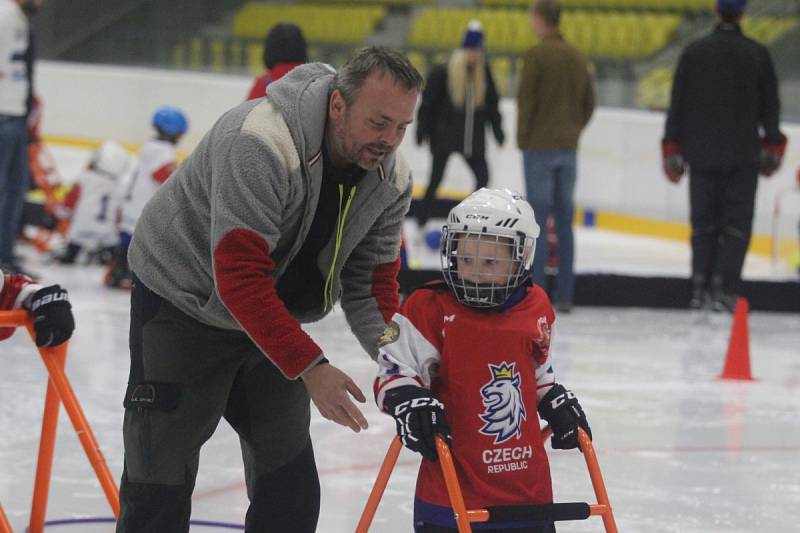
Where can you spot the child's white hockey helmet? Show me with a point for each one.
(492, 215)
(111, 159)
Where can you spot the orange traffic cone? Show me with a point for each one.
(737, 361)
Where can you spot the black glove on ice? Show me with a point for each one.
(52, 316)
(563, 413)
(419, 417)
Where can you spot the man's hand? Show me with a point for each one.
(771, 157)
(672, 161)
(328, 387)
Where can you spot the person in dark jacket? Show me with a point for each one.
(723, 124)
(458, 102)
(284, 48)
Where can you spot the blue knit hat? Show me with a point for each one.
(473, 37)
(738, 5)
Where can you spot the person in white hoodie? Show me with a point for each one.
(16, 98)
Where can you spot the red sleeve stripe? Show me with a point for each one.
(386, 289)
(161, 174)
(242, 268)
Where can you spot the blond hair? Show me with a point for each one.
(457, 79)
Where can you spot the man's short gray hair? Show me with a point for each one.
(365, 61)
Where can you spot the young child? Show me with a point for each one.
(49, 306)
(472, 354)
(95, 197)
(157, 160)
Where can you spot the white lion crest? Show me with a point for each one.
(503, 401)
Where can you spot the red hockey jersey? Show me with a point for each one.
(489, 369)
(14, 290)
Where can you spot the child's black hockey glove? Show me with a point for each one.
(563, 413)
(419, 417)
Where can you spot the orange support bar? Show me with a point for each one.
(380, 485)
(453, 486)
(5, 526)
(59, 389)
(603, 507)
(464, 516)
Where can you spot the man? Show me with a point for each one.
(16, 99)
(724, 97)
(555, 101)
(289, 203)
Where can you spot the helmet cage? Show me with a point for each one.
(496, 292)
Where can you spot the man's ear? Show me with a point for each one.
(337, 106)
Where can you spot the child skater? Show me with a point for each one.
(157, 159)
(468, 359)
(49, 307)
(95, 196)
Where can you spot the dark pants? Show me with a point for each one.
(185, 376)
(721, 206)
(13, 181)
(476, 162)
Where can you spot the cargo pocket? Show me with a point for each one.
(141, 401)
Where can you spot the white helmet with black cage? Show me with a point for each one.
(487, 247)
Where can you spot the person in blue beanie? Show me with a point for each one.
(458, 103)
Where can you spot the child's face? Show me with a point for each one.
(484, 260)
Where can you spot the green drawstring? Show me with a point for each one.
(328, 290)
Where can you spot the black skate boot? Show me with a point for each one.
(721, 300)
(700, 298)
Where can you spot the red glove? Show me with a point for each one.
(771, 157)
(673, 163)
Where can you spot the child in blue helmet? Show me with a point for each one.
(157, 160)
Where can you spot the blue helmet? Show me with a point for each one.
(170, 121)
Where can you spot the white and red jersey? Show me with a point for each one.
(14, 42)
(94, 215)
(490, 369)
(14, 290)
(157, 160)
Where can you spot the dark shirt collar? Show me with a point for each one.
(729, 26)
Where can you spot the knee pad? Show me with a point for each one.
(286, 499)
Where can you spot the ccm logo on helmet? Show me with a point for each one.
(476, 216)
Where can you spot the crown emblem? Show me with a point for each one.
(504, 371)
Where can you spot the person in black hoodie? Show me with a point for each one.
(458, 102)
(723, 123)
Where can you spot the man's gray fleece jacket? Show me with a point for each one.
(225, 225)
